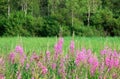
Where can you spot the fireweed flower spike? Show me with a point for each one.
(19, 49)
(44, 70)
(2, 76)
(53, 66)
(58, 47)
(12, 57)
(33, 57)
(72, 46)
(48, 55)
(62, 68)
(19, 75)
(112, 60)
(27, 66)
(81, 57)
(33, 78)
(93, 61)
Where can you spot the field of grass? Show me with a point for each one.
(40, 44)
(59, 58)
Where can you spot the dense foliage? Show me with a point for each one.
(47, 17)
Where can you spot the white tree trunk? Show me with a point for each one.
(72, 18)
(25, 8)
(89, 10)
(8, 8)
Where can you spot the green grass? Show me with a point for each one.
(39, 44)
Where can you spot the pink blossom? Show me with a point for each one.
(112, 59)
(116, 62)
(81, 57)
(44, 70)
(2, 76)
(93, 61)
(22, 61)
(33, 78)
(103, 52)
(19, 49)
(107, 61)
(19, 75)
(2, 61)
(72, 46)
(12, 57)
(48, 55)
(62, 68)
(89, 52)
(58, 46)
(54, 66)
(34, 56)
(27, 66)
(39, 64)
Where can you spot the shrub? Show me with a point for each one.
(66, 31)
(89, 31)
(2, 25)
(51, 27)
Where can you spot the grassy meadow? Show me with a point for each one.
(42, 43)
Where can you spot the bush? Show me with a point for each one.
(116, 29)
(51, 27)
(89, 31)
(14, 25)
(66, 31)
(2, 25)
(19, 24)
(103, 19)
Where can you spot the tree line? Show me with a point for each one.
(48, 17)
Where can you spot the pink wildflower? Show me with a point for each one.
(58, 46)
(116, 62)
(62, 68)
(19, 49)
(19, 75)
(12, 57)
(54, 66)
(93, 61)
(1, 61)
(48, 55)
(103, 52)
(112, 59)
(34, 57)
(33, 78)
(2, 76)
(81, 57)
(39, 64)
(44, 70)
(72, 46)
(27, 66)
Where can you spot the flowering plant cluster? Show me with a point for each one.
(75, 64)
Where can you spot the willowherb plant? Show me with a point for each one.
(47, 55)
(18, 75)
(93, 62)
(12, 57)
(19, 49)
(72, 46)
(58, 47)
(53, 66)
(62, 68)
(75, 64)
(81, 57)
